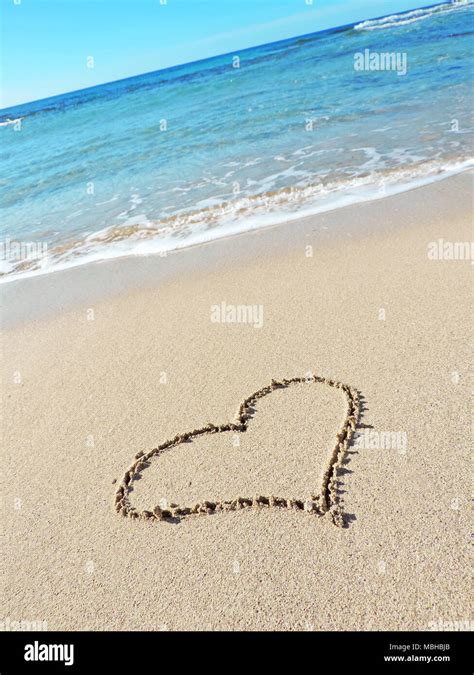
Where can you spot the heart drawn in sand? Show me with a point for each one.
(324, 500)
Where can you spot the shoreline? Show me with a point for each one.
(39, 296)
(121, 359)
(346, 199)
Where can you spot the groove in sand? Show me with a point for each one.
(327, 501)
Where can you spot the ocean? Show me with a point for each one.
(176, 157)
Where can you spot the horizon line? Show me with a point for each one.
(216, 56)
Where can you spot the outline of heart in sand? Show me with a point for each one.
(327, 501)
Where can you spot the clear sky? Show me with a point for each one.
(46, 43)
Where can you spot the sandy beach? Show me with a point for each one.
(110, 360)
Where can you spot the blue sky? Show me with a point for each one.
(46, 43)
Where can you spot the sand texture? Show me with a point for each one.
(90, 382)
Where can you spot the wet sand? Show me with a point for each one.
(104, 362)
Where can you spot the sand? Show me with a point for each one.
(106, 361)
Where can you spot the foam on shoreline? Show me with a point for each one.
(140, 237)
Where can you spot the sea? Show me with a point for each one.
(246, 140)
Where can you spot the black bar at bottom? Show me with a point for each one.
(67, 652)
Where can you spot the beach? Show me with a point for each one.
(104, 361)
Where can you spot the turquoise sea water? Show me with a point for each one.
(175, 157)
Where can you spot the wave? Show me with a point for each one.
(405, 18)
(138, 236)
(7, 122)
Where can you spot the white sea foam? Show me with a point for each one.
(8, 122)
(138, 236)
(405, 18)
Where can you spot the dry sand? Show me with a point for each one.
(88, 387)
